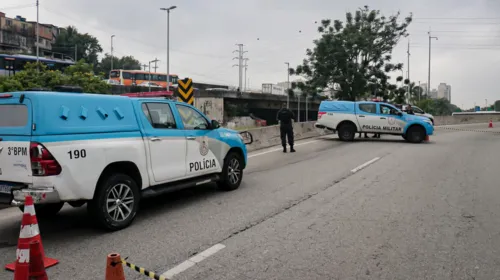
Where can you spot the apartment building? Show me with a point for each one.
(444, 91)
(17, 35)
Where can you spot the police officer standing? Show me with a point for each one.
(285, 117)
(409, 110)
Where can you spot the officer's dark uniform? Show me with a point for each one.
(285, 116)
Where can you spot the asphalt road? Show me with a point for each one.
(372, 209)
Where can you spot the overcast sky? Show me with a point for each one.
(204, 33)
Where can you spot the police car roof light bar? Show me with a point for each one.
(6, 95)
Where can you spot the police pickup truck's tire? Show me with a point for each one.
(347, 132)
(232, 172)
(46, 210)
(115, 202)
(415, 134)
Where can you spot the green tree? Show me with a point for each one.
(87, 46)
(80, 74)
(355, 55)
(437, 107)
(125, 62)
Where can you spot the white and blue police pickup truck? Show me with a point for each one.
(109, 152)
(348, 118)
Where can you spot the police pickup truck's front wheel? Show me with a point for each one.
(232, 172)
(115, 202)
(347, 132)
(415, 134)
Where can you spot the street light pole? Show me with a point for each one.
(288, 85)
(37, 32)
(429, 73)
(112, 36)
(168, 43)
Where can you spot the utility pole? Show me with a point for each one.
(149, 76)
(429, 74)
(240, 64)
(155, 61)
(287, 85)
(37, 32)
(76, 53)
(145, 66)
(112, 58)
(246, 68)
(408, 77)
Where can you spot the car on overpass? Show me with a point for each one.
(349, 118)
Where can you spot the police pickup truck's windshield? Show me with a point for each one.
(13, 115)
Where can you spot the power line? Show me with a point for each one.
(18, 7)
(458, 18)
(149, 45)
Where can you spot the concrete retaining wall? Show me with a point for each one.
(458, 119)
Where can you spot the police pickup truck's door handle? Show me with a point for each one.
(382, 118)
(154, 139)
(191, 138)
(361, 116)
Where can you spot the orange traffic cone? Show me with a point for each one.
(22, 265)
(30, 232)
(490, 125)
(37, 269)
(114, 268)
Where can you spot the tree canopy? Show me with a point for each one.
(355, 54)
(87, 46)
(125, 62)
(81, 74)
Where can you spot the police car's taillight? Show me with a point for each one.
(320, 114)
(42, 161)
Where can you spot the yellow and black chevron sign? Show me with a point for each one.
(187, 117)
(185, 91)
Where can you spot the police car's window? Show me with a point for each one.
(369, 108)
(386, 110)
(13, 115)
(417, 110)
(159, 115)
(191, 118)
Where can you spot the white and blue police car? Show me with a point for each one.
(109, 152)
(348, 118)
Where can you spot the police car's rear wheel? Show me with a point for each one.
(232, 172)
(347, 132)
(116, 202)
(416, 134)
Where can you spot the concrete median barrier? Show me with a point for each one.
(269, 136)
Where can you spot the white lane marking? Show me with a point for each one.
(193, 260)
(364, 165)
(279, 149)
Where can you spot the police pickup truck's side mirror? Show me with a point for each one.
(399, 114)
(214, 124)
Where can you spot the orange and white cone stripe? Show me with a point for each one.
(29, 232)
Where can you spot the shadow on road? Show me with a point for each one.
(74, 223)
